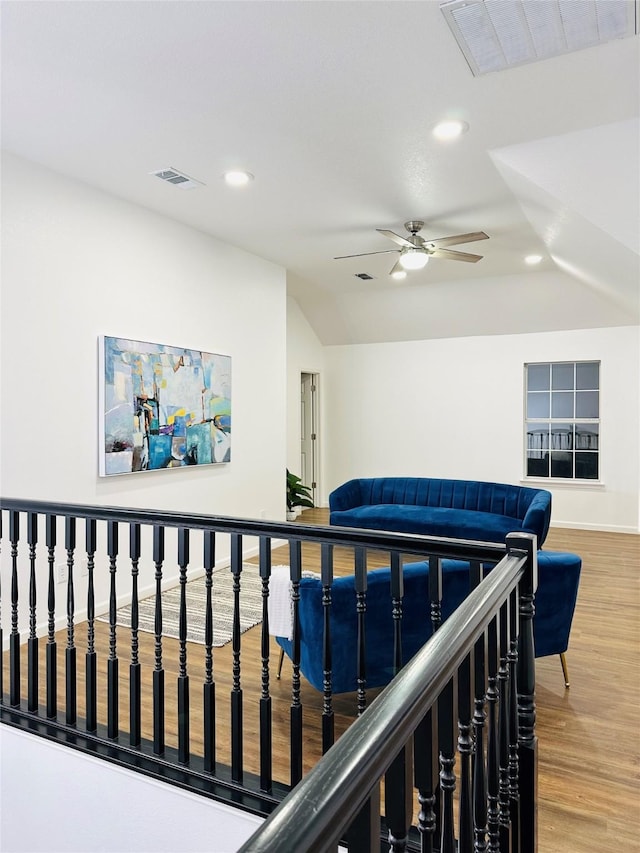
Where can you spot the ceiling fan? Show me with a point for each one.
(415, 251)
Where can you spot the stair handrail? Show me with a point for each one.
(314, 816)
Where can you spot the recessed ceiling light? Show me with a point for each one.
(532, 260)
(450, 129)
(238, 178)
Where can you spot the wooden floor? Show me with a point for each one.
(589, 749)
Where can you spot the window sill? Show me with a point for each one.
(563, 482)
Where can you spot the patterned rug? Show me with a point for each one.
(222, 598)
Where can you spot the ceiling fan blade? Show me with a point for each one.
(456, 256)
(454, 240)
(362, 254)
(397, 267)
(401, 241)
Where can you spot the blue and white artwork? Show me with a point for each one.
(162, 407)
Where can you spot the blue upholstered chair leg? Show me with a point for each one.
(565, 671)
(281, 659)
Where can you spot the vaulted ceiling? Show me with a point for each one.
(330, 105)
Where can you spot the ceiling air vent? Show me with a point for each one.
(178, 179)
(498, 34)
(364, 276)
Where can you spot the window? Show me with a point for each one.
(562, 420)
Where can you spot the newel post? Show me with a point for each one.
(523, 543)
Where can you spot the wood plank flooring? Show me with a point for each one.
(589, 753)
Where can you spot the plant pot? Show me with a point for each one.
(291, 515)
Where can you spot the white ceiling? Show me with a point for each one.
(330, 106)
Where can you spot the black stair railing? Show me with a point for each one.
(483, 720)
(332, 803)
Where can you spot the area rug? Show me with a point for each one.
(196, 597)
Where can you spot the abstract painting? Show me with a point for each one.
(162, 407)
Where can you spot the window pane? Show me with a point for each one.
(587, 465)
(561, 464)
(537, 438)
(538, 466)
(562, 422)
(588, 375)
(538, 377)
(562, 377)
(587, 436)
(587, 404)
(562, 436)
(538, 404)
(562, 404)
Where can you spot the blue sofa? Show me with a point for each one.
(455, 509)
(558, 573)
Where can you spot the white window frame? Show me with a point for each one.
(574, 420)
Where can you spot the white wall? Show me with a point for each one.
(85, 804)
(78, 263)
(305, 354)
(454, 408)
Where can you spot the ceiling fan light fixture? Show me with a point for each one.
(450, 129)
(413, 259)
(399, 275)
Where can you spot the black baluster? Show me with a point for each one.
(70, 652)
(91, 661)
(398, 776)
(426, 737)
(295, 745)
(446, 737)
(424, 756)
(465, 750)
(435, 591)
(397, 800)
(158, 671)
(526, 679)
(361, 641)
(32, 646)
(209, 687)
(135, 709)
(479, 719)
(514, 630)
(397, 594)
(493, 809)
(52, 646)
(14, 637)
(265, 698)
(236, 689)
(363, 835)
(326, 576)
(504, 795)
(183, 677)
(112, 662)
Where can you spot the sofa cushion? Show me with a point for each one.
(430, 521)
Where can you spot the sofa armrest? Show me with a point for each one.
(346, 496)
(538, 516)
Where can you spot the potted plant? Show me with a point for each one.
(297, 495)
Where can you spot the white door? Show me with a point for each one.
(309, 432)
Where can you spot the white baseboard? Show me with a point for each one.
(605, 528)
